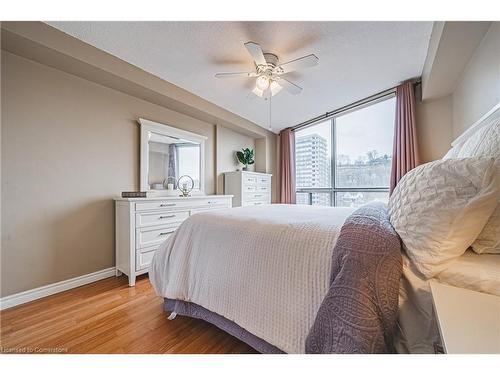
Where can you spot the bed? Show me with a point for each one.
(269, 275)
(277, 322)
(303, 279)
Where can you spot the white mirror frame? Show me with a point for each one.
(156, 127)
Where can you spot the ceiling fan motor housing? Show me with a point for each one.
(271, 59)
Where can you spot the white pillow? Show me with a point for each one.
(439, 208)
(453, 152)
(486, 143)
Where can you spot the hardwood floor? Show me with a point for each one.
(109, 317)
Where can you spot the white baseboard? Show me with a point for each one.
(47, 290)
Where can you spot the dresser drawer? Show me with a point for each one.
(249, 188)
(160, 218)
(263, 188)
(250, 180)
(143, 258)
(181, 204)
(264, 180)
(161, 205)
(151, 236)
(262, 197)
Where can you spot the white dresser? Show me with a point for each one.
(142, 224)
(248, 188)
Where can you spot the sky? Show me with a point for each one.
(370, 128)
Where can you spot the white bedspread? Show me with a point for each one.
(267, 268)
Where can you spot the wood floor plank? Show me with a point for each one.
(110, 317)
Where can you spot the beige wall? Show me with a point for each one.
(478, 89)
(68, 146)
(434, 119)
(475, 92)
(228, 142)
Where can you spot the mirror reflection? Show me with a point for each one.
(171, 158)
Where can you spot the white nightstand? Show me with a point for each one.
(468, 321)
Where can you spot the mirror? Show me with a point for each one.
(168, 153)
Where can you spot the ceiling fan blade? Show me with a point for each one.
(237, 74)
(300, 63)
(256, 52)
(292, 88)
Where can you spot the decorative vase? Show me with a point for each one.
(245, 167)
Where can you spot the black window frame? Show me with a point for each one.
(333, 190)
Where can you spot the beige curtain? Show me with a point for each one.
(287, 166)
(405, 151)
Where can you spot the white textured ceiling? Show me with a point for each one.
(357, 59)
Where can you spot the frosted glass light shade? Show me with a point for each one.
(262, 83)
(275, 87)
(258, 92)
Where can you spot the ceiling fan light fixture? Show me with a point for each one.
(262, 83)
(275, 87)
(258, 92)
(269, 72)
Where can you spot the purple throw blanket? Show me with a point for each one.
(359, 312)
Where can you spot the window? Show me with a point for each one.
(346, 160)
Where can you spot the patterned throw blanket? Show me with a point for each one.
(359, 312)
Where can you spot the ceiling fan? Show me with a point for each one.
(269, 72)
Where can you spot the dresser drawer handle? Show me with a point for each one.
(167, 204)
(212, 202)
(164, 233)
(257, 195)
(167, 217)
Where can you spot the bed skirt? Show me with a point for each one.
(193, 310)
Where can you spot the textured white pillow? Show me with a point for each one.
(439, 208)
(453, 152)
(486, 143)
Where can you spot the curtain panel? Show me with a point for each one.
(287, 166)
(405, 150)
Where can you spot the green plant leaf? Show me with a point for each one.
(240, 156)
(245, 156)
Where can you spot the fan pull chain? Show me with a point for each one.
(270, 110)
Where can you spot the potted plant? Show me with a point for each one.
(245, 157)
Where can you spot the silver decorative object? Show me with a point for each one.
(185, 184)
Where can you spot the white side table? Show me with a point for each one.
(468, 321)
